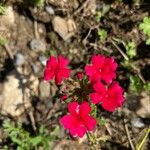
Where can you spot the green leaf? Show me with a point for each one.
(36, 140)
(3, 41)
(131, 49)
(135, 84)
(94, 110)
(102, 34)
(148, 41)
(147, 86)
(145, 26)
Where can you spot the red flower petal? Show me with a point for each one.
(100, 88)
(98, 60)
(78, 131)
(67, 121)
(63, 62)
(73, 108)
(90, 123)
(64, 97)
(90, 70)
(84, 109)
(95, 98)
(52, 63)
(114, 97)
(48, 74)
(61, 74)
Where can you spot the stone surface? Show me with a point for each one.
(8, 18)
(12, 102)
(37, 45)
(65, 3)
(44, 89)
(144, 109)
(43, 60)
(19, 59)
(65, 28)
(137, 123)
(7, 22)
(49, 10)
(35, 68)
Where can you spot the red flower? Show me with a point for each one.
(64, 97)
(80, 75)
(78, 121)
(56, 68)
(102, 68)
(100, 92)
(110, 98)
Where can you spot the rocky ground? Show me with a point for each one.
(71, 28)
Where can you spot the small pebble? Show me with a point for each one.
(43, 60)
(49, 104)
(137, 123)
(37, 45)
(35, 68)
(44, 88)
(49, 10)
(19, 59)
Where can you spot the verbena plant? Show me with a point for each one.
(23, 140)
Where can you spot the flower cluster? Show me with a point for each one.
(94, 86)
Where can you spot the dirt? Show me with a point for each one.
(78, 39)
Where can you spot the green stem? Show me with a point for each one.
(144, 139)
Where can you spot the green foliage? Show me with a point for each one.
(147, 86)
(130, 49)
(38, 3)
(102, 34)
(94, 110)
(24, 141)
(145, 27)
(135, 84)
(98, 16)
(2, 9)
(3, 41)
(101, 121)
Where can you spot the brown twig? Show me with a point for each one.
(126, 58)
(8, 51)
(51, 111)
(95, 46)
(119, 49)
(32, 120)
(128, 135)
(36, 30)
(81, 7)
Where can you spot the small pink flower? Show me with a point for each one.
(102, 68)
(64, 97)
(80, 75)
(110, 98)
(56, 68)
(78, 121)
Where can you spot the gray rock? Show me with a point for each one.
(12, 97)
(137, 123)
(43, 60)
(37, 45)
(44, 89)
(64, 27)
(19, 59)
(49, 10)
(35, 68)
(49, 104)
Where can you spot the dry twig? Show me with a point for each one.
(128, 136)
(81, 7)
(8, 51)
(126, 58)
